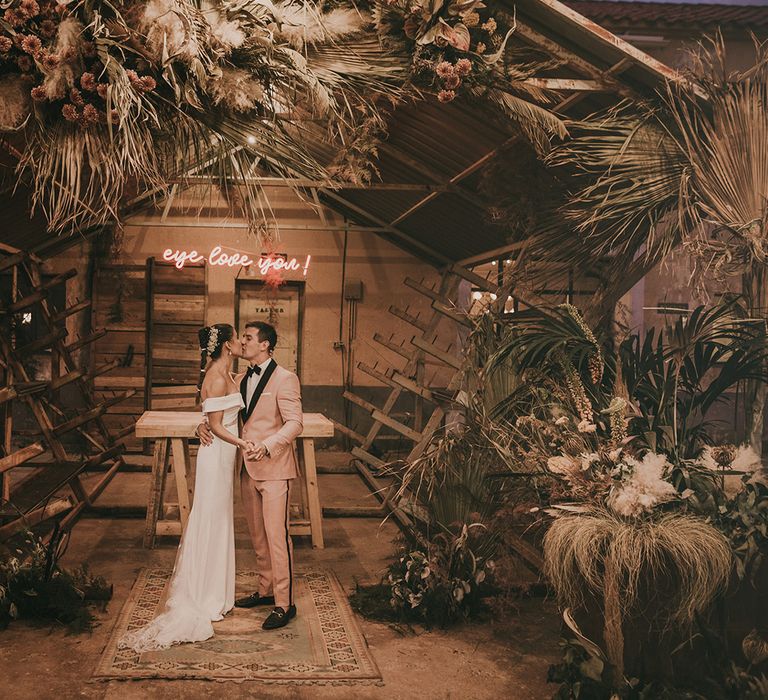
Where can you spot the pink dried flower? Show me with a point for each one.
(88, 82)
(76, 97)
(24, 63)
(38, 93)
(133, 77)
(47, 28)
(31, 44)
(90, 115)
(463, 67)
(148, 83)
(490, 26)
(472, 19)
(13, 18)
(5, 44)
(444, 69)
(480, 48)
(452, 82)
(49, 60)
(30, 8)
(101, 89)
(446, 95)
(69, 112)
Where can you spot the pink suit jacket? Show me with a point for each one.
(276, 420)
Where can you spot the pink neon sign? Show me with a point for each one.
(266, 263)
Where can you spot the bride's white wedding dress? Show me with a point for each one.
(202, 588)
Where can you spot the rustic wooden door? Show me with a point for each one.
(280, 306)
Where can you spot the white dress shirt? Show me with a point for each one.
(254, 380)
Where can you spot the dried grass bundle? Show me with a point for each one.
(617, 559)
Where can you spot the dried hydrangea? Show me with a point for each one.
(69, 112)
(471, 19)
(452, 82)
(444, 69)
(642, 486)
(490, 25)
(463, 67)
(88, 82)
(31, 44)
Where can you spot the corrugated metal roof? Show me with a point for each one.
(434, 143)
(673, 15)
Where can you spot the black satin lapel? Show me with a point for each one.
(244, 393)
(265, 375)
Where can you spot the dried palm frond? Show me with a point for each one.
(674, 171)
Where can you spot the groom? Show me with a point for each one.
(271, 421)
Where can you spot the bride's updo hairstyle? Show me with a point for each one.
(212, 339)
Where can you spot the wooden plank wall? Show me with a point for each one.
(119, 305)
(178, 313)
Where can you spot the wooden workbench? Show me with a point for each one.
(172, 431)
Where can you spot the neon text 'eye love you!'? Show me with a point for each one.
(218, 257)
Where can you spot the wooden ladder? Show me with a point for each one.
(34, 500)
(410, 379)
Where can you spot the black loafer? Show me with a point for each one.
(251, 601)
(279, 618)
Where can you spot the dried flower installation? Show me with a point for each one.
(98, 96)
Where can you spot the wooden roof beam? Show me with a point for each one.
(569, 84)
(437, 178)
(575, 61)
(387, 228)
(608, 39)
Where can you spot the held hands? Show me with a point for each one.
(255, 451)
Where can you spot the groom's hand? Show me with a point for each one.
(203, 431)
(256, 451)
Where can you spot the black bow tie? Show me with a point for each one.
(251, 371)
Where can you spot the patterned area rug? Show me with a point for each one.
(322, 645)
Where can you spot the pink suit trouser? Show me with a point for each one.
(267, 505)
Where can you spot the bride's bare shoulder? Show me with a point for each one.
(214, 386)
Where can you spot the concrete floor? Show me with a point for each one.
(504, 659)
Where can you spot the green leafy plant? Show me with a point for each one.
(443, 584)
(33, 587)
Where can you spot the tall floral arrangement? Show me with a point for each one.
(104, 96)
(637, 499)
(459, 47)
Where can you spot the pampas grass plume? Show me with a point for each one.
(300, 24)
(582, 552)
(14, 103)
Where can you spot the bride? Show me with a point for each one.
(202, 588)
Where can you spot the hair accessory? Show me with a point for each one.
(213, 337)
